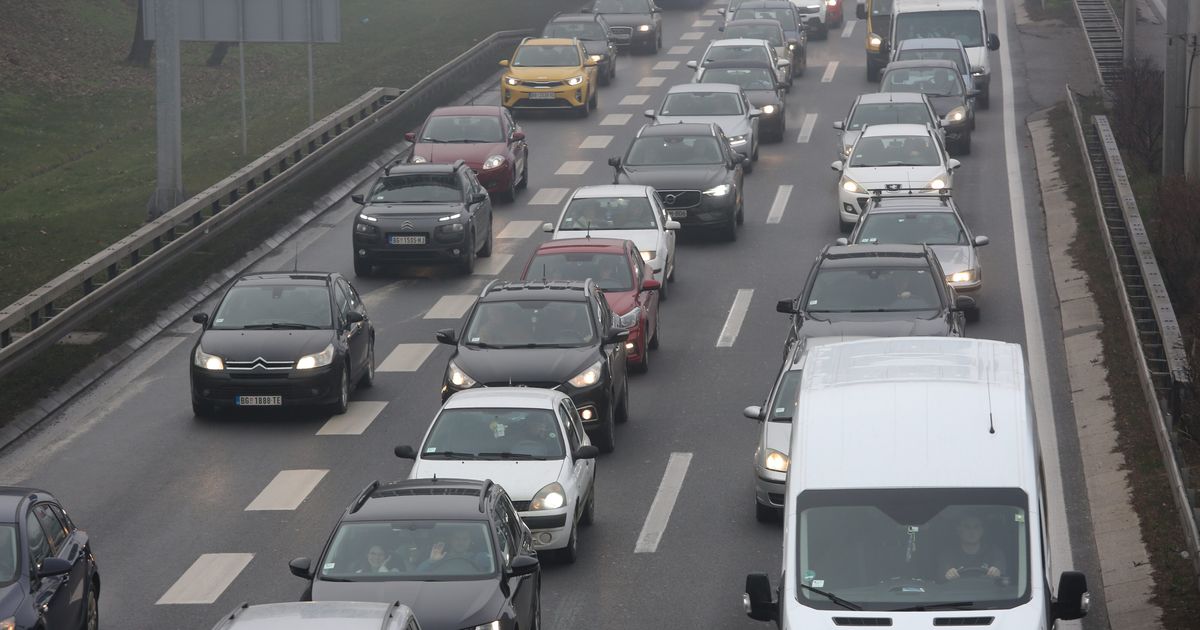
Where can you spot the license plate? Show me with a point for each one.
(406, 240)
(259, 401)
(541, 96)
(677, 214)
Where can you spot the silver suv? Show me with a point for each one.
(320, 616)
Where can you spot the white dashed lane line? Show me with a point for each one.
(663, 504)
(287, 490)
(711, 12)
(551, 196)
(806, 127)
(615, 120)
(206, 579)
(492, 266)
(666, 65)
(596, 142)
(737, 315)
(634, 99)
(408, 357)
(692, 36)
(650, 82)
(830, 70)
(679, 50)
(780, 204)
(455, 306)
(703, 23)
(573, 167)
(848, 30)
(514, 229)
(355, 421)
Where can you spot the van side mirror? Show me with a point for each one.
(358, 199)
(448, 336)
(301, 568)
(410, 136)
(587, 451)
(404, 451)
(754, 412)
(616, 336)
(614, 162)
(758, 600)
(786, 306)
(993, 42)
(200, 318)
(1073, 599)
(964, 303)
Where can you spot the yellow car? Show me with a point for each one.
(549, 73)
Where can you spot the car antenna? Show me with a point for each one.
(543, 273)
(296, 258)
(991, 418)
(588, 234)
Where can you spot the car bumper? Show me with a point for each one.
(769, 487)
(772, 123)
(969, 288)
(709, 212)
(637, 38)
(310, 387)
(374, 249)
(981, 81)
(496, 180)
(635, 344)
(959, 130)
(564, 97)
(551, 529)
(851, 205)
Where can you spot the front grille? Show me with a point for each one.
(808, 9)
(545, 522)
(680, 199)
(259, 363)
(963, 621)
(541, 84)
(389, 236)
(862, 621)
(551, 103)
(621, 32)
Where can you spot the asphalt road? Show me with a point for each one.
(164, 496)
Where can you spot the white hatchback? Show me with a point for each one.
(531, 442)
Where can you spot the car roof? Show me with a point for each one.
(598, 245)
(505, 397)
(315, 278)
(895, 129)
(611, 190)
(869, 256)
(577, 17)
(552, 290)
(764, 4)
(892, 97)
(317, 616)
(797, 357)
(931, 43)
(548, 41)
(11, 498)
(678, 129)
(467, 110)
(440, 498)
(421, 167)
(738, 41)
(921, 63)
(684, 88)
(912, 6)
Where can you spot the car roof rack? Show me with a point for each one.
(363, 496)
(483, 493)
(879, 193)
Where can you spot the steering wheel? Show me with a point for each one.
(455, 565)
(974, 572)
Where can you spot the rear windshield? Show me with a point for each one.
(417, 188)
(932, 81)
(702, 104)
(945, 54)
(965, 26)
(769, 32)
(674, 150)
(610, 272)
(746, 78)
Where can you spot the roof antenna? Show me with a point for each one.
(589, 229)
(543, 273)
(991, 419)
(296, 258)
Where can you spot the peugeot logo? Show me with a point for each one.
(892, 186)
(670, 199)
(407, 225)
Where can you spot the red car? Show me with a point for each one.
(834, 15)
(618, 270)
(483, 136)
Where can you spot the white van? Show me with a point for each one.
(915, 494)
(964, 20)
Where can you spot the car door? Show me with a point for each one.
(513, 533)
(667, 236)
(51, 595)
(519, 148)
(72, 547)
(573, 481)
(614, 353)
(584, 469)
(354, 334)
(648, 300)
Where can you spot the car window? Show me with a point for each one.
(640, 272)
(512, 521)
(947, 54)
(781, 15)
(930, 228)
(932, 81)
(530, 323)
(888, 113)
(8, 553)
(769, 32)
(749, 52)
(274, 306)
(408, 550)
(342, 302)
(510, 434)
(965, 26)
(542, 56)
(609, 271)
(608, 213)
(576, 30)
(873, 290)
(412, 624)
(505, 543)
(56, 531)
(746, 78)
(352, 294)
(577, 422)
(622, 6)
(895, 151)
(417, 188)
(674, 150)
(573, 441)
(462, 129)
(702, 104)
(783, 405)
(39, 547)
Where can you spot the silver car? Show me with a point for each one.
(722, 103)
(320, 616)
(885, 108)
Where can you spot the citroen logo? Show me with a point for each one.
(258, 363)
(892, 186)
(670, 199)
(407, 225)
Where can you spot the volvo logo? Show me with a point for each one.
(670, 199)
(407, 226)
(892, 186)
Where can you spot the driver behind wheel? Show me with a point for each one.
(970, 555)
(457, 546)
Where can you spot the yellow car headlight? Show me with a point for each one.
(851, 186)
(776, 461)
(575, 80)
(511, 81)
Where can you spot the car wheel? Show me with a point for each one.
(606, 435)
(363, 267)
(765, 513)
(583, 111)
(662, 290)
(972, 315)
(467, 264)
(368, 377)
(202, 409)
(510, 194)
(985, 97)
(91, 618)
(622, 412)
(873, 71)
(342, 403)
(741, 212)
(589, 511)
(486, 250)
(730, 232)
(963, 146)
(570, 553)
(605, 78)
(644, 366)
(748, 166)
(653, 345)
(595, 99)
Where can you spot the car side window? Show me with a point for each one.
(66, 520)
(39, 547)
(639, 267)
(577, 422)
(352, 299)
(55, 531)
(412, 625)
(569, 427)
(343, 302)
(524, 544)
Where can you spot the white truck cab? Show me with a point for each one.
(964, 20)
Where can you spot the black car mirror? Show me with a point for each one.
(617, 336)
(1073, 599)
(964, 303)
(354, 317)
(404, 451)
(479, 198)
(993, 42)
(587, 451)
(614, 162)
(754, 412)
(52, 566)
(358, 199)
(301, 568)
(786, 306)
(448, 336)
(200, 318)
(523, 565)
(721, 29)
(738, 158)
(758, 600)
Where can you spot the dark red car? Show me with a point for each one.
(835, 14)
(618, 270)
(483, 136)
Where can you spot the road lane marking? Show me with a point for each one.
(649, 82)
(454, 306)
(206, 579)
(737, 315)
(680, 50)
(666, 65)
(516, 229)
(492, 266)
(615, 120)
(573, 167)
(711, 12)
(829, 71)
(703, 23)
(596, 142)
(407, 357)
(848, 30)
(287, 490)
(806, 127)
(549, 196)
(692, 36)
(635, 99)
(780, 203)
(355, 421)
(663, 504)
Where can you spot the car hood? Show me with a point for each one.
(412, 210)
(445, 605)
(954, 258)
(943, 104)
(777, 436)
(553, 73)
(595, 46)
(906, 176)
(524, 365)
(520, 478)
(627, 19)
(270, 345)
(691, 177)
(11, 597)
(473, 153)
(646, 240)
(906, 324)
(731, 125)
(621, 302)
(977, 56)
(759, 98)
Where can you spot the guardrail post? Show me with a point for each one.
(135, 257)
(112, 271)
(88, 285)
(5, 338)
(35, 320)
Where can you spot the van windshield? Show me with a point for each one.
(965, 26)
(904, 549)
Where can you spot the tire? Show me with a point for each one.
(588, 516)
(963, 146)
(340, 406)
(845, 227)
(467, 265)
(585, 110)
(985, 98)
(570, 553)
(363, 268)
(202, 409)
(91, 617)
(873, 71)
(748, 166)
(621, 415)
(644, 366)
(972, 315)
(510, 195)
(765, 513)
(605, 78)
(653, 344)
(731, 230)
(605, 438)
(486, 250)
(524, 183)
(368, 377)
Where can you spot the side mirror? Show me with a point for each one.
(614, 162)
(672, 225)
(786, 306)
(755, 113)
(693, 64)
(860, 11)
(616, 336)
(523, 565)
(587, 451)
(354, 317)
(953, 164)
(782, 63)
(974, 93)
(358, 199)
(738, 158)
(980, 241)
(200, 318)
(993, 42)
(651, 285)
(721, 28)
(405, 451)
(1073, 599)
(793, 43)
(589, 62)
(479, 197)
(754, 412)
(941, 123)
(721, 11)
(504, 62)
(842, 241)
(518, 135)
(649, 113)
(548, 227)
(448, 336)
(301, 568)
(410, 136)
(964, 303)
(53, 566)
(839, 124)
(758, 600)
(837, 165)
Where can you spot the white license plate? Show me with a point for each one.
(677, 214)
(541, 96)
(406, 240)
(259, 401)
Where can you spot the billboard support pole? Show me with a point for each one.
(168, 191)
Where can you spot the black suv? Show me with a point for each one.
(283, 339)
(556, 335)
(876, 291)
(592, 31)
(697, 174)
(423, 213)
(453, 550)
(634, 23)
(48, 575)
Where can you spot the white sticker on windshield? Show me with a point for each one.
(1020, 518)
(431, 449)
(812, 302)
(818, 583)
(499, 429)
(474, 339)
(330, 565)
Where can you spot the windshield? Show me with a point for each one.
(945, 54)
(911, 228)
(702, 104)
(895, 151)
(881, 16)
(965, 26)
(8, 553)
(933, 81)
(494, 434)
(417, 188)
(677, 150)
(783, 407)
(408, 550)
(781, 15)
(888, 113)
(769, 32)
(738, 53)
(546, 57)
(609, 213)
(873, 291)
(530, 324)
(747, 78)
(274, 306)
(914, 549)
(462, 129)
(611, 272)
(576, 30)
(622, 6)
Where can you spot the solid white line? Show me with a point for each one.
(663, 504)
(287, 490)
(573, 167)
(455, 306)
(666, 65)
(407, 357)
(1039, 368)
(549, 196)
(650, 82)
(780, 203)
(595, 142)
(206, 579)
(829, 71)
(355, 421)
(848, 30)
(806, 127)
(615, 120)
(679, 50)
(703, 23)
(516, 229)
(692, 36)
(634, 99)
(492, 266)
(737, 315)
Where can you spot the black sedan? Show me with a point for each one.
(697, 174)
(876, 291)
(591, 31)
(761, 85)
(283, 339)
(48, 575)
(635, 24)
(939, 80)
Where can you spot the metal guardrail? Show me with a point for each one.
(1105, 38)
(1149, 317)
(44, 316)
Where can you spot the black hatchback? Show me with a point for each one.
(48, 574)
(453, 550)
(283, 339)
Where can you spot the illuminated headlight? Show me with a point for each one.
(629, 345)
(453, 217)
(630, 319)
(418, 159)
(768, 109)
(320, 359)
(937, 183)
(8, 624)
(363, 228)
(960, 277)
(551, 497)
(976, 71)
(874, 41)
(206, 361)
(791, 47)
(851, 186)
(575, 80)
(459, 378)
(645, 28)
(588, 377)
(367, 217)
(596, 58)
(737, 140)
(495, 161)
(776, 461)
(958, 114)
(718, 191)
(495, 625)
(512, 81)
(831, 3)
(648, 255)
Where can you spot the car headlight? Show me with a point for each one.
(512, 81)
(596, 58)
(846, 149)
(459, 378)
(450, 228)
(645, 28)
(452, 217)
(495, 161)
(959, 277)
(575, 80)
(629, 320)
(551, 497)
(831, 3)
(736, 140)
(11, 624)
(958, 114)
(588, 377)
(768, 109)
(851, 186)
(874, 41)
(976, 71)
(320, 359)
(718, 191)
(419, 159)
(494, 625)
(649, 254)
(363, 228)
(937, 183)
(367, 217)
(206, 361)
(776, 461)
(791, 47)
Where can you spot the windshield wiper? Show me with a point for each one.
(434, 140)
(848, 605)
(939, 606)
(508, 455)
(334, 579)
(479, 344)
(449, 455)
(287, 325)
